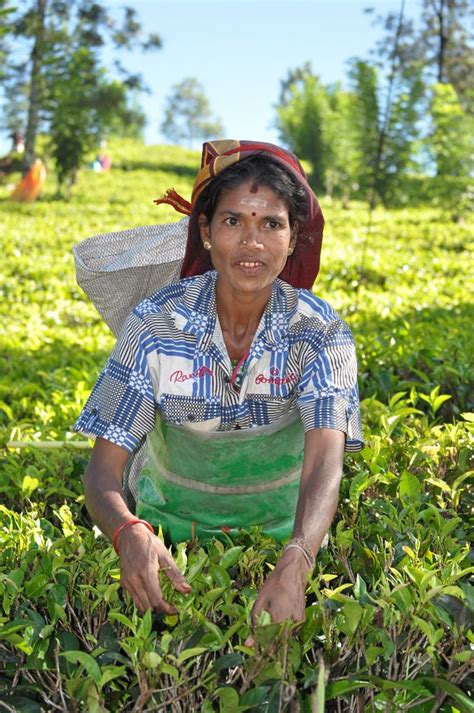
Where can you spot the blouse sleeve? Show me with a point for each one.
(121, 407)
(329, 396)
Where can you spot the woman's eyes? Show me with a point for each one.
(272, 224)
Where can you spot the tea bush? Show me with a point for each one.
(389, 607)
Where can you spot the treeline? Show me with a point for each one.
(399, 130)
(54, 80)
(403, 129)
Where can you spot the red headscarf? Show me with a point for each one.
(302, 266)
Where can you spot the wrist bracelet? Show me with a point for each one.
(299, 543)
(129, 523)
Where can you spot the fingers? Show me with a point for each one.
(147, 596)
(153, 589)
(280, 611)
(177, 579)
(141, 559)
(144, 588)
(139, 597)
(261, 604)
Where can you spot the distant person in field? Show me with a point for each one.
(12, 161)
(103, 161)
(237, 383)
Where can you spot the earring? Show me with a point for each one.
(206, 245)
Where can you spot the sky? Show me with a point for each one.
(240, 50)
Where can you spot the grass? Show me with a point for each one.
(390, 604)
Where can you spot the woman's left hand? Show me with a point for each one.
(283, 593)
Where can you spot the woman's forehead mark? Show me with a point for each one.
(254, 202)
(254, 188)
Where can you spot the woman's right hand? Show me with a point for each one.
(142, 557)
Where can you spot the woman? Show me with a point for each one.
(239, 344)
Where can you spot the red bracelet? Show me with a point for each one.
(126, 524)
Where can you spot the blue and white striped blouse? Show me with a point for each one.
(171, 358)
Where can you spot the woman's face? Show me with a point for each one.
(250, 238)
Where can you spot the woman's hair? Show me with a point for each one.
(259, 170)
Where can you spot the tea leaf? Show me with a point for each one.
(231, 557)
(191, 653)
(409, 487)
(228, 700)
(118, 616)
(227, 661)
(85, 660)
(318, 699)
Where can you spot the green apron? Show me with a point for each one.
(200, 484)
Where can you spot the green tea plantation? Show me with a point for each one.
(389, 607)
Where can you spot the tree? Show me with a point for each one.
(50, 33)
(72, 130)
(35, 27)
(363, 138)
(118, 110)
(5, 28)
(388, 110)
(438, 41)
(340, 143)
(188, 114)
(316, 122)
(14, 106)
(83, 105)
(439, 52)
(364, 77)
(301, 112)
(447, 47)
(402, 136)
(450, 144)
(386, 123)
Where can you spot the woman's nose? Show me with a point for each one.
(251, 236)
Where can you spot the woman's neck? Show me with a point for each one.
(239, 317)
